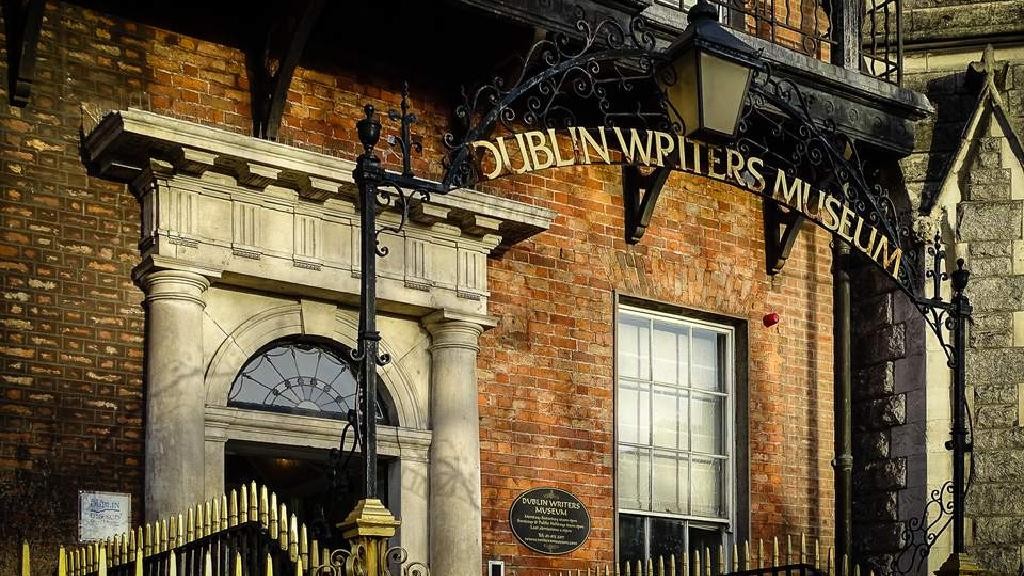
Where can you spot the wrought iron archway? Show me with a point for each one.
(608, 73)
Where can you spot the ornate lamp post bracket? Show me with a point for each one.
(945, 506)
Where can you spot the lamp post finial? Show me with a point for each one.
(703, 10)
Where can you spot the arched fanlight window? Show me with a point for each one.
(299, 377)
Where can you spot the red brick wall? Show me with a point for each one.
(546, 378)
(71, 331)
(70, 322)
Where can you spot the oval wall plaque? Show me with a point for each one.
(549, 520)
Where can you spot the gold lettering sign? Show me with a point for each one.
(581, 146)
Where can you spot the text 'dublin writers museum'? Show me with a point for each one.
(512, 287)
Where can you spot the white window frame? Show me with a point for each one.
(729, 489)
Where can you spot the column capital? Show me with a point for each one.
(457, 330)
(175, 285)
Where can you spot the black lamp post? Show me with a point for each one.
(369, 526)
(378, 186)
(960, 313)
(369, 173)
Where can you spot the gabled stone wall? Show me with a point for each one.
(969, 178)
(991, 217)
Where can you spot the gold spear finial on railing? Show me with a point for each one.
(62, 562)
(26, 561)
(101, 560)
(138, 562)
(233, 508)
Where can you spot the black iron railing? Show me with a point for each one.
(801, 25)
(812, 27)
(882, 48)
(788, 570)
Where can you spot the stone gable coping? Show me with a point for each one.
(988, 101)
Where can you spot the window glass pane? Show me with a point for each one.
(706, 487)
(684, 357)
(634, 343)
(666, 352)
(705, 372)
(629, 349)
(671, 423)
(297, 377)
(706, 430)
(644, 479)
(644, 337)
(627, 481)
(684, 421)
(705, 541)
(631, 538)
(634, 479)
(643, 429)
(670, 418)
(627, 416)
(670, 479)
(668, 538)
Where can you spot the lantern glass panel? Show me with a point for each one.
(683, 95)
(723, 87)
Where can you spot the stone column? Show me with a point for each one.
(455, 521)
(175, 394)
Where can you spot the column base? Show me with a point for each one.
(957, 564)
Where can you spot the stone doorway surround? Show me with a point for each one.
(244, 241)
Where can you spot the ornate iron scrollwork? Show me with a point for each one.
(400, 557)
(600, 70)
(778, 124)
(610, 74)
(920, 534)
(353, 562)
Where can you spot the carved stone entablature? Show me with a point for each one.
(265, 215)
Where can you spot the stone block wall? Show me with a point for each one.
(882, 345)
(991, 214)
(964, 20)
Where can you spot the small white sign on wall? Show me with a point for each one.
(103, 514)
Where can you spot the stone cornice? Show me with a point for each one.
(228, 423)
(127, 144)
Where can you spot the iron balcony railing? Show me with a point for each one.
(811, 27)
(882, 34)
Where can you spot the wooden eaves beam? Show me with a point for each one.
(272, 63)
(640, 194)
(781, 227)
(23, 19)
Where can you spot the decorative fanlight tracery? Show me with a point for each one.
(300, 378)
